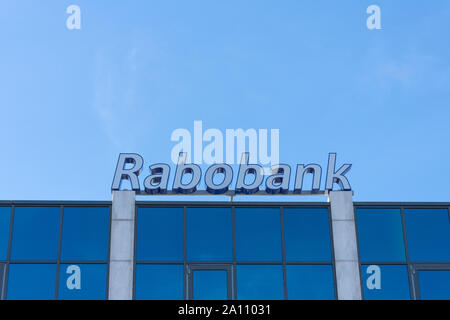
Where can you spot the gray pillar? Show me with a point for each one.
(121, 259)
(345, 246)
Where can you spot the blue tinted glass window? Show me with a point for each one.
(85, 233)
(82, 282)
(260, 282)
(310, 282)
(159, 282)
(210, 285)
(35, 233)
(434, 284)
(380, 235)
(258, 234)
(385, 282)
(5, 218)
(31, 282)
(209, 234)
(428, 233)
(307, 234)
(160, 234)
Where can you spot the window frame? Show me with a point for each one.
(189, 277)
(410, 265)
(234, 263)
(59, 204)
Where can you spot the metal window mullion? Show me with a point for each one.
(136, 217)
(109, 253)
(355, 218)
(187, 284)
(283, 254)
(58, 257)
(4, 292)
(410, 267)
(333, 260)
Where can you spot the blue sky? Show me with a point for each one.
(72, 100)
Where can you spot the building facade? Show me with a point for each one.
(128, 249)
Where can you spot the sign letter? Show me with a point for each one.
(157, 181)
(279, 181)
(337, 176)
(245, 169)
(211, 187)
(183, 168)
(128, 174)
(315, 170)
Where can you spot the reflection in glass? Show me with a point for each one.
(209, 234)
(35, 233)
(307, 234)
(434, 284)
(160, 234)
(159, 282)
(260, 282)
(85, 233)
(258, 234)
(428, 233)
(82, 282)
(210, 285)
(385, 282)
(31, 282)
(5, 218)
(380, 235)
(310, 282)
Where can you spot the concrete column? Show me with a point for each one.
(345, 245)
(121, 263)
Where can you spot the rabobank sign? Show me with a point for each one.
(219, 177)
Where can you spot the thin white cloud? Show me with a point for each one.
(115, 96)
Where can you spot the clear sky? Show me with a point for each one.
(72, 100)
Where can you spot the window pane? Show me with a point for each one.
(311, 282)
(434, 284)
(380, 235)
(385, 282)
(82, 282)
(31, 282)
(160, 234)
(260, 282)
(85, 233)
(35, 233)
(5, 218)
(307, 234)
(159, 282)
(428, 233)
(210, 285)
(258, 234)
(209, 234)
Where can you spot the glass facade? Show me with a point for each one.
(247, 252)
(207, 250)
(54, 251)
(404, 251)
